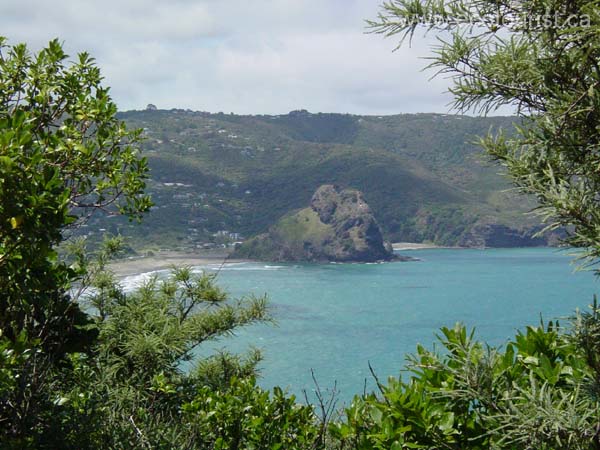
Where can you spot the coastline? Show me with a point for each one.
(166, 260)
(403, 246)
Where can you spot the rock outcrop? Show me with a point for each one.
(338, 226)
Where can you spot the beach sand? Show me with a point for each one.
(166, 260)
(413, 246)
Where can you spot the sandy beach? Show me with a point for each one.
(166, 260)
(413, 246)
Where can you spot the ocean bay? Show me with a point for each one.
(337, 318)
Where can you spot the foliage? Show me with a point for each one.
(62, 152)
(139, 390)
(155, 329)
(533, 394)
(246, 417)
(323, 128)
(541, 390)
(137, 387)
(542, 59)
(61, 148)
(116, 375)
(33, 212)
(73, 119)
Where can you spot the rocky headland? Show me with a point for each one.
(338, 226)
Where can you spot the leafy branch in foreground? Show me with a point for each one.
(139, 390)
(535, 394)
(541, 390)
(61, 148)
(72, 120)
(115, 375)
(541, 58)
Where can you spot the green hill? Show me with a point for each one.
(218, 177)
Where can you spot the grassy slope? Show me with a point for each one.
(302, 226)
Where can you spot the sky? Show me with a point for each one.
(241, 56)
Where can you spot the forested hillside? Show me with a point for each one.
(218, 178)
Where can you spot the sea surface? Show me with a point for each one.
(335, 319)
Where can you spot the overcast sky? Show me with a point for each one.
(242, 56)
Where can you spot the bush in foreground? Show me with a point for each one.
(539, 392)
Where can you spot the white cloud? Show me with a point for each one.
(264, 56)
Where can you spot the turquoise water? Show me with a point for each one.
(335, 318)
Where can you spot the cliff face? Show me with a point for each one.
(494, 235)
(498, 236)
(338, 226)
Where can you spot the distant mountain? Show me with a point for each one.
(337, 226)
(217, 178)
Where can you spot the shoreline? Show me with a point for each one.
(403, 246)
(166, 260)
